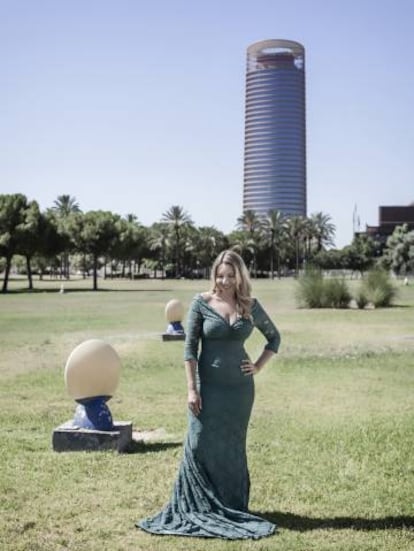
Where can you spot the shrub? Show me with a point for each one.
(361, 299)
(316, 292)
(378, 288)
(336, 294)
(310, 289)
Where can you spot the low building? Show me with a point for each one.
(389, 218)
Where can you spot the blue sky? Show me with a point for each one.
(135, 106)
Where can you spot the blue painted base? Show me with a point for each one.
(93, 413)
(175, 328)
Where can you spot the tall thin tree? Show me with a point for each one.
(64, 206)
(177, 218)
(251, 223)
(274, 227)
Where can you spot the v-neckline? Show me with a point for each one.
(227, 321)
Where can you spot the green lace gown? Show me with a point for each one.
(211, 493)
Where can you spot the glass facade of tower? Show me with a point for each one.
(275, 131)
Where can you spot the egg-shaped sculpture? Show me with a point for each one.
(174, 310)
(92, 369)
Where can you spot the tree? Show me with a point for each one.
(49, 243)
(209, 242)
(323, 230)
(177, 218)
(30, 236)
(12, 217)
(243, 244)
(189, 249)
(128, 245)
(399, 251)
(159, 242)
(251, 223)
(332, 259)
(296, 231)
(360, 254)
(95, 233)
(274, 227)
(64, 207)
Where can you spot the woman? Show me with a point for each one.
(211, 493)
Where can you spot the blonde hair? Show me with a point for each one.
(243, 285)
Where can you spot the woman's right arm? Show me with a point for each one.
(194, 398)
(192, 340)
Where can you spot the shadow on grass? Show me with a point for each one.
(151, 447)
(299, 523)
(82, 290)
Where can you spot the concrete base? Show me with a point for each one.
(172, 337)
(68, 437)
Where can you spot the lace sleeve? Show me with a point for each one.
(265, 325)
(193, 333)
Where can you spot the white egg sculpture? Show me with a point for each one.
(92, 369)
(174, 310)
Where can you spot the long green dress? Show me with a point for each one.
(211, 492)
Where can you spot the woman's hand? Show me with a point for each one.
(194, 401)
(249, 368)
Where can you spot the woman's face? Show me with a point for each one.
(225, 277)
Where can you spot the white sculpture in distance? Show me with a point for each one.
(174, 312)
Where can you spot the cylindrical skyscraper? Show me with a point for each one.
(275, 128)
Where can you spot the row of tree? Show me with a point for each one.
(63, 239)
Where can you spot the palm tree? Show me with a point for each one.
(309, 236)
(132, 218)
(177, 218)
(243, 244)
(274, 226)
(324, 230)
(65, 206)
(207, 243)
(251, 223)
(159, 242)
(129, 243)
(295, 228)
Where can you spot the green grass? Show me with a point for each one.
(330, 443)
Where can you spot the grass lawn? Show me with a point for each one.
(330, 443)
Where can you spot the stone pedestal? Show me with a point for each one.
(68, 437)
(172, 337)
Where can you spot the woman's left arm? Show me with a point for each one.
(265, 325)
